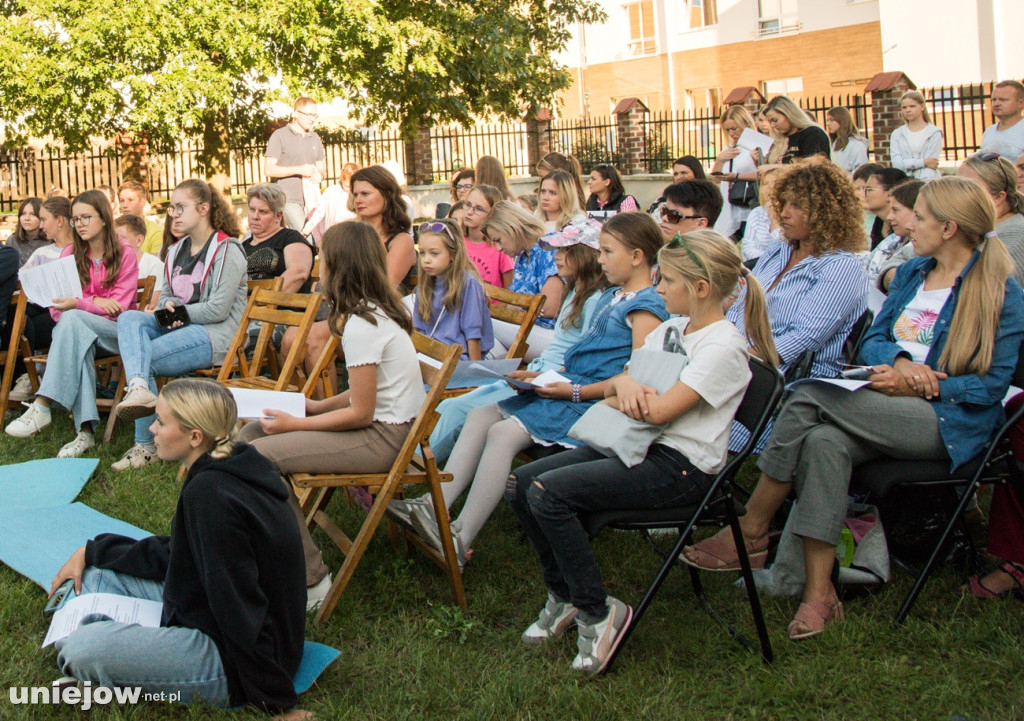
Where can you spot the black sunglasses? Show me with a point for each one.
(675, 217)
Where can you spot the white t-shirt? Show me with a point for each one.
(41, 256)
(718, 371)
(1009, 143)
(150, 265)
(915, 328)
(916, 139)
(399, 382)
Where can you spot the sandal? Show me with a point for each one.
(980, 590)
(718, 553)
(813, 617)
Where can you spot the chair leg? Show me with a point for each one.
(108, 432)
(936, 554)
(447, 545)
(748, 580)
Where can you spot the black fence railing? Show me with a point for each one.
(963, 113)
(858, 105)
(670, 135)
(456, 147)
(593, 141)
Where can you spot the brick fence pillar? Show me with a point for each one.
(886, 90)
(748, 96)
(134, 159)
(419, 161)
(630, 115)
(538, 137)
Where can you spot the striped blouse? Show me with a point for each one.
(813, 307)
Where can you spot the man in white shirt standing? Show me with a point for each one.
(1007, 136)
(295, 154)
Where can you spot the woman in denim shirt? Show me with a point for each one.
(943, 350)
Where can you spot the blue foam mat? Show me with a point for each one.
(36, 542)
(44, 483)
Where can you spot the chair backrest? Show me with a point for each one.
(145, 291)
(856, 336)
(265, 283)
(267, 307)
(801, 367)
(314, 274)
(759, 402)
(518, 309)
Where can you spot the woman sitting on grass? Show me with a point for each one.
(363, 429)
(229, 575)
(699, 271)
(943, 348)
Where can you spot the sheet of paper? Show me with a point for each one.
(469, 374)
(548, 377)
(251, 402)
(432, 362)
(750, 139)
(840, 382)
(123, 609)
(45, 283)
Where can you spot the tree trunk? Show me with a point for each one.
(215, 157)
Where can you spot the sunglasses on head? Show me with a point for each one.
(986, 157)
(680, 242)
(675, 217)
(436, 227)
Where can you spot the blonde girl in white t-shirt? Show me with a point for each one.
(361, 430)
(699, 272)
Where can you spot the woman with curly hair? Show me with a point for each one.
(815, 283)
(942, 350)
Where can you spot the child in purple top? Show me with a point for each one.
(450, 302)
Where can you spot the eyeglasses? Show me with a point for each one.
(437, 228)
(475, 209)
(311, 116)
(175, 210)
(83, 219)
(675, 217)
(463, 186)
(869, 189)
(680, 242)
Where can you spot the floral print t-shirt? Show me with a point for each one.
(915, 328)
(532, 269)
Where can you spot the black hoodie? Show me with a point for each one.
(232, 568)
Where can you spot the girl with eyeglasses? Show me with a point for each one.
(363, 429)
(109, 274)
(915, 146)
(205, 275)
(495, 267)
(876, 200)
(461, 183)
(999, 178)
(492, 435)
(699, 271)
(27, 236)
(451, 305)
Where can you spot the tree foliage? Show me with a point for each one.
(80, 69)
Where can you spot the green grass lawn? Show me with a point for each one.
(408, 653)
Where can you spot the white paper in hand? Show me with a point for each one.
(45, 283)
(123, 609)
(549, 377)
(252, 402)
(751, 139)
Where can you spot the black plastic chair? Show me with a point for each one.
(718, 507)
(856, 336)
(992, 465)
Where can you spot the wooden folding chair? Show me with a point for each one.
(9, 356)
(385, 485)
(105, 365)
(253, 286)
(269, 307)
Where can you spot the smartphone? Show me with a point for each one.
(63, 592)
(167, 318)
(857, 374)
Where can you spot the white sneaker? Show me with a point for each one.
(135, 457)
(35, 419)
(138, 402)
(82, 442)
(555, 619)
(425, 525)
(315, 595)
(401, 508)
(598, 641)
(22, 390)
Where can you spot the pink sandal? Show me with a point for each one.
(813, 617)
(718, 553)
(980, 590)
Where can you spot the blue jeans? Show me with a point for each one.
(70, 376)
(149, 350)
(173, 660)
(549, 495)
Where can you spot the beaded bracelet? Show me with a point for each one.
(576, 393)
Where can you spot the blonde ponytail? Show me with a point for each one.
(756, 323)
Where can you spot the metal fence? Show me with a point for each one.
(593, 140)
(669, 135)
(455, 147)
(858, 105)
(962, 112)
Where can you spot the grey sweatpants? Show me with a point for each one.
(824, 431)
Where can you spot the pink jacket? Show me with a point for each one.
(124, 290)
